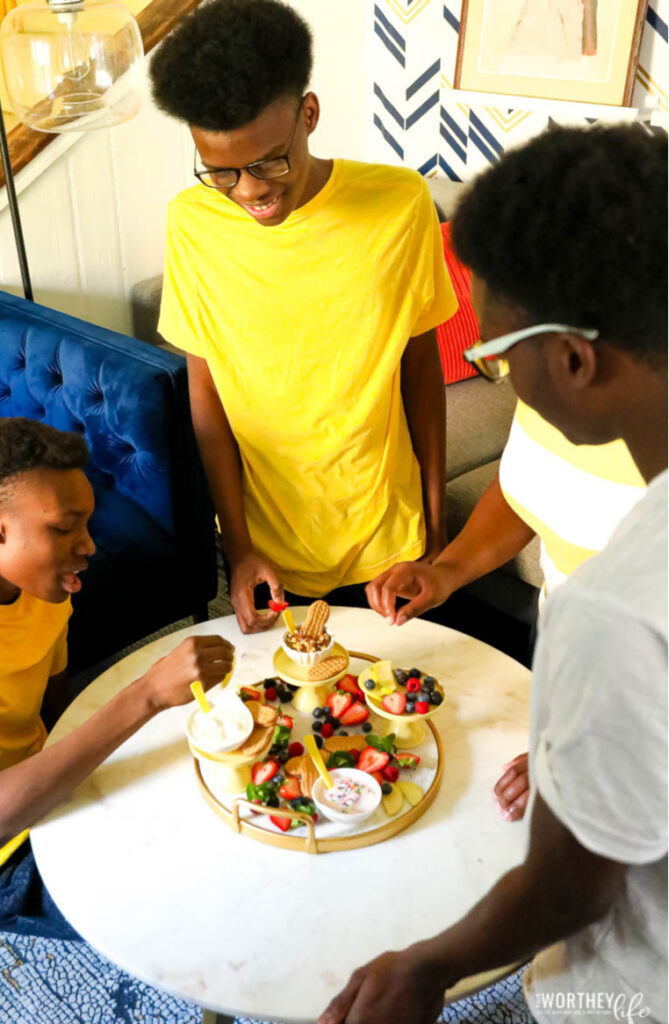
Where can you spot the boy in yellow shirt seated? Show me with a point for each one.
(45, 504)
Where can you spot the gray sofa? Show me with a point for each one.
(499, 608)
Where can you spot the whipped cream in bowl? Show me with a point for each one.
(223, 728)
(353, 798)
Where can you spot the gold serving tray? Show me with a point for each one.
(311, 843)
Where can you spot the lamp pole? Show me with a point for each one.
(14, 211)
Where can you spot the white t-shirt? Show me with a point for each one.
(598, 756)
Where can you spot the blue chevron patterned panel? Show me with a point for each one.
(418, 121)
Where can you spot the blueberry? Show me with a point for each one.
(268, 683)
(410, 707)
(436, 698)
(369, 684)
(318, 712)
(284, 695)
(284, 756)
(272, 801)
(429, 682)
(415, 672)
(319, 741)
(293, 689)
(334, 722)
(366, 726)
(386, 788)
(317, 726)
(400, 676)
(424, 695)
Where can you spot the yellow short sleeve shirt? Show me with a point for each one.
(33, 647)
(303, 327)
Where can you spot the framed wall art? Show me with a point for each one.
(576, 50)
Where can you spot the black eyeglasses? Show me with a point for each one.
(225, 178)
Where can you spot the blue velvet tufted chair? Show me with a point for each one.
(153, 523)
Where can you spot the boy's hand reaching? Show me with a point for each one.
(245, 574)
(425, 586)
(207, 658)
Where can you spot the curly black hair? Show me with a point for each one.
(228, 60)
(28, 444)
(572, 227)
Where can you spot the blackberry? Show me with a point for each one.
(435, 698)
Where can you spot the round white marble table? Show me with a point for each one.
(153, 879)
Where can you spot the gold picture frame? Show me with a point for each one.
(583, 51)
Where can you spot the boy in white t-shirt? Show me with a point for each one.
(567, 240)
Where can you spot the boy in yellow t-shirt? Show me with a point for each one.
(305, 293)
(45, 504)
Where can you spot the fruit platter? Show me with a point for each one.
(377, 787)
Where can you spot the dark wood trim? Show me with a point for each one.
(155, 21)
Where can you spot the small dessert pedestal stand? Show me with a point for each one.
(231, 772)
(409, 730)
(312, 693)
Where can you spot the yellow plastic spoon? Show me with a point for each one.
(198, 692)
(315, 755)
(288, 619)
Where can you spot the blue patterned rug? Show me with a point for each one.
(47, 981)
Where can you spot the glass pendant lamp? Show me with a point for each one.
(72, 67)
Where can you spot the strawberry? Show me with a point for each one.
(372, 760)
(391, 773)
(349, 683)
(285, 720)
(277, 606)
(355, 754)
(270, 693)
(290, 790)
(378, 776)
(422, 707)
(407, 760)
(395, 703)
(282, 823)
(413, 685)
(247, 693)
(263, 771)
(295, 749)
(327, 731)
(339, 702)
(355, 714)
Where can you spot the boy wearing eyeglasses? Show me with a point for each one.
(305, 293)
(580, 313)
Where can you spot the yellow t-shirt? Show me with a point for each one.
(33, 647)
(573, 496)
(303, 327)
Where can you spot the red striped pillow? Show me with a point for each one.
(462, 330)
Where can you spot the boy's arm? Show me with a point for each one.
(560, 888)
(424, 397)
(33, 787)
(220, 457)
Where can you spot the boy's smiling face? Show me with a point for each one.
(44, 538)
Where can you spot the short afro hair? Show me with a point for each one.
(28, 444)
(228, 60)
(572, 227)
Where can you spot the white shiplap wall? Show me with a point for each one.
(93, 209)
